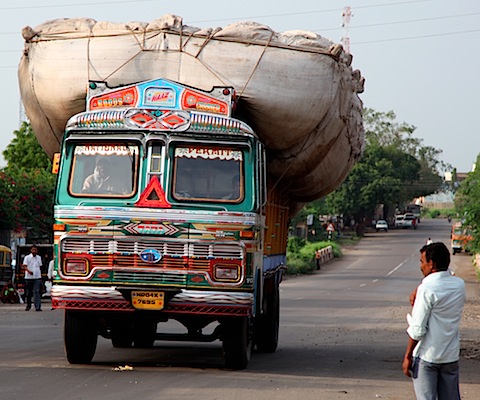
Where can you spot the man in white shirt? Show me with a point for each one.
(433, 349)
(33, 278)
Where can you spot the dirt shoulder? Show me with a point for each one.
(463, 267)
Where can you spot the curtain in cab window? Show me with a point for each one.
(104, 170)
(212, 174)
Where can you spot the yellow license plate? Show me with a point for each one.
(144, 300)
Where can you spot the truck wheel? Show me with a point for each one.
(237, 343)
(266, 327)
(80, 337)
(144, 333)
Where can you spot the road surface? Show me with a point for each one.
(342, 336)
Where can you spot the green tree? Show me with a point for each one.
(382, 176)
(394, 169)
(467, 203)
(28, 186)
(24, 151)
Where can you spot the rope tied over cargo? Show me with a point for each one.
(256, 64)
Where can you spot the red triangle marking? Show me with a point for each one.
(153, 188)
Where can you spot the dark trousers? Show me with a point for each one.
(33, 288)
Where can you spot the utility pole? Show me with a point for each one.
(346, 15)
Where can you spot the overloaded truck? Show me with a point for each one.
(178, 223)
(178, 176)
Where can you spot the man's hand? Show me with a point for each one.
(412, 297)
(407, 365)
(408, 357)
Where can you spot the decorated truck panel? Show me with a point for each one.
(163, 211)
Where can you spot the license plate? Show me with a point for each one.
(144, 300)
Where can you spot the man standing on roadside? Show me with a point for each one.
(33, 278)
(433, 349)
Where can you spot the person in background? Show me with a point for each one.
(48, 283)
(433, 349)
(9, 294)
(318, 258)
(429, 241)
(32, 264)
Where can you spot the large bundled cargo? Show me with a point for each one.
(296, 89)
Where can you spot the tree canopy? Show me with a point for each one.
(24, 151)
(394, 169)
(27, 185)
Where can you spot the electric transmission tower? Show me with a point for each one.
(346, 15)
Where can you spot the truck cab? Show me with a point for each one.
(162, 212)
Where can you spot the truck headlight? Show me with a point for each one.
(227, 273)
(76, 266)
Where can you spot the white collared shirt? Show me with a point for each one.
(33, 264)
(435, 319)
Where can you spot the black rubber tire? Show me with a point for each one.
(237, 342)
(80, 337)
(267, 325)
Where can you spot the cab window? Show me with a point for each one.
(209, 174)
(107, 170)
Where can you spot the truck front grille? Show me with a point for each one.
(124, 253)
(174, 249)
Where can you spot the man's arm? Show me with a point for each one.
(25, 266)
(408, 357)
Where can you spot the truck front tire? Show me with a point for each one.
(80, 337)
(237, 342)
(267, 324)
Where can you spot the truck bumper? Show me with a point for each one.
(100, 298)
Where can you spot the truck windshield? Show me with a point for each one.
(208, 173)
(104, 170)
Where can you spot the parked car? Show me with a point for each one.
(381, 225)
(399, 221)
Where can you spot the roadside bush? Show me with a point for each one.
(434, 213)
(303, 260)
(294, 244)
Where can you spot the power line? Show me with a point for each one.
(401, 22)
(75, 4)
(211, 20)
(312, 11)
(418, 37)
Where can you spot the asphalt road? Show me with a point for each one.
(342, 336)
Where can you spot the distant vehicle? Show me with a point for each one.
(399, 221)
(5, 264)
(407, 220)
(415, 209)
(381, 225)
(460, 238)
(410, 221)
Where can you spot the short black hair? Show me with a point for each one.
(438, 253)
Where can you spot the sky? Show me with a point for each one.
(420, 58)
